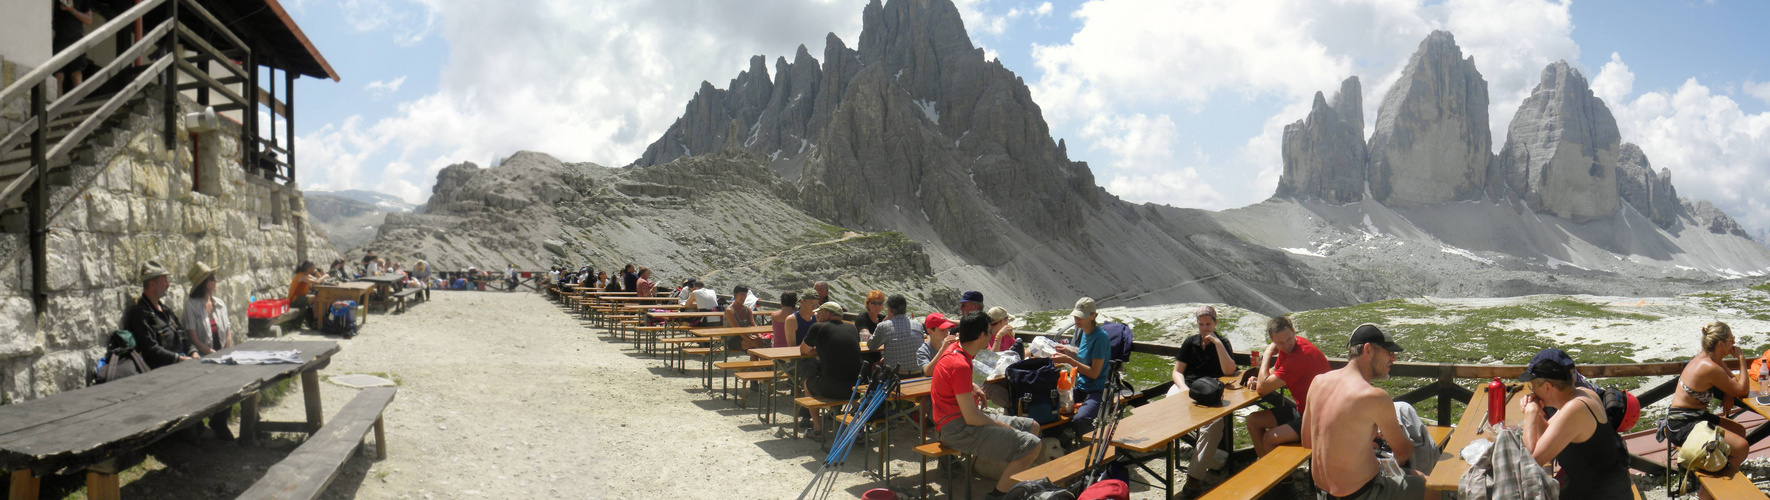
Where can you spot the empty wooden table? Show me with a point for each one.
(88, 428)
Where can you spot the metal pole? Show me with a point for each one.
(249, 117)
(38, 199)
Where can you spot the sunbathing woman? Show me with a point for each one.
(1705, 381)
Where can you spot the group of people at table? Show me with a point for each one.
(1338, 414)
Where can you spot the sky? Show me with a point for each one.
(1174, 102)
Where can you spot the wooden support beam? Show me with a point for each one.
(215, 24)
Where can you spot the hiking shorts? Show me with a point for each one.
(1284, 414)
(992, 442)
(1384, 488)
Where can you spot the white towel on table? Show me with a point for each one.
(291, 356)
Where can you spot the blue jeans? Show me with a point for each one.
(1084, 417)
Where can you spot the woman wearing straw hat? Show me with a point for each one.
(205, 316)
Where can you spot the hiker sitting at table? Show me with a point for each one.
(784, 321)
(1290, 363)
(969, 302)
(1346, 414)
(959, 420)
(510, 279)
(158, 335)
(870, 316)
(602, 282)
(836, 365)
(739, 314)
(1090, 354)
(629, 278)
(823, 291)
(645, 286)
(301, 286)
(1204, 355)
(338, 271)
(941, 332)
(206, 326)
(1705, 382)
(373, 268)
(1001, 333)
(903, 343)
(1578, 435)
(901, 340)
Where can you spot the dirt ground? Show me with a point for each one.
(507, 395)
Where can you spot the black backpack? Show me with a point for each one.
(120, 358)
(1031, 384)
(340, 319)
(1207, 391)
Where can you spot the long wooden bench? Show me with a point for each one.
(935, 450)
(1064, 469)
(678, 344)
(401, 297)
(1732, 487)
(1260, 477)
(764, 377)
(306, 472)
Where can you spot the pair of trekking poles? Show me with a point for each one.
(881, 385)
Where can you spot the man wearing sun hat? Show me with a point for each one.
(158, 334)
(836, 345)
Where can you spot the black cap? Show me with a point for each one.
(1370, 334)
(971, 296)
(1551, 364)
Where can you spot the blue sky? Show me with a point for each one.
(1170, 102)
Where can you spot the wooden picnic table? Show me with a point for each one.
(384, 287)
(1159, 425)
(630, 298)
(89, 428)
(1451, 465)
(780, 355)
(324, 295)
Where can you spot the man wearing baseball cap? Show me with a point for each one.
(1345, 413)
(970, 302)
(836, 345)
(1585, 444)
(158, 335)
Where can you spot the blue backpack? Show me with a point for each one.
(1120, 336)
(1032, 384)
(340, 319)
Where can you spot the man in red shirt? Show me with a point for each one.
(959, 417)
(1291, 362)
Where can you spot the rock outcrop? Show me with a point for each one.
(1651, 194)
(1560, 153)
(1431, 143)
(1712, 219)
(1324, 154)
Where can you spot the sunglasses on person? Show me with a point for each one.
(876, 303)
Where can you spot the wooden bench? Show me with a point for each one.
(1729, 487)
(399, 298)
(306, 472)
(1260, 477)
(936, 450)
(1064, 469)
(730, 367)
(677, 344)
(764, 377)
(1440, 435)
(811, 403)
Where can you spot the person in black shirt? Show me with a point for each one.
(836, 345)
(158, 333)
(629, 278)
(1205, 354)
(68, 24)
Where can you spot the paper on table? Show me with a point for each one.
(291, 356)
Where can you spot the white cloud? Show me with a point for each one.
(406, 21)
(583, 81)
(380, 88)
(1160, 57)
(1760, 90)
(1044, 9)
(1715, 151)
(1178, 187)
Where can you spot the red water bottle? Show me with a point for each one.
(1496, 402)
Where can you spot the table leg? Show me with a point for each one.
(1168, 483)
(249, 420)
(24, 485)
(380, 439)
(310, 391)
(102, 486)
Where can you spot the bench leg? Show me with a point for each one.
(24, 485)
(380, 439)
(310, 391)
(102, 486)
(249, 420)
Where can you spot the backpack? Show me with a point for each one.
(1039, 489)
(1031, 383)
(1621, 409)
(120, 358)
(1704, 449)
(340, 319)
(1121, 338)
(1206, 391)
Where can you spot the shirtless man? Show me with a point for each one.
(1344, 417)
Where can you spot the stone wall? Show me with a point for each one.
(128, 200)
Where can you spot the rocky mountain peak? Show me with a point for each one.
(1649, 193)
(1561, 149)
(1431, 143)
(525, 179)
(1324, 154)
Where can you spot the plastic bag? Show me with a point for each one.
(1042, 347)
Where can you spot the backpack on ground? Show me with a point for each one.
(1039, 489)
(120, 359)
(1031, 384)
(340, 319)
